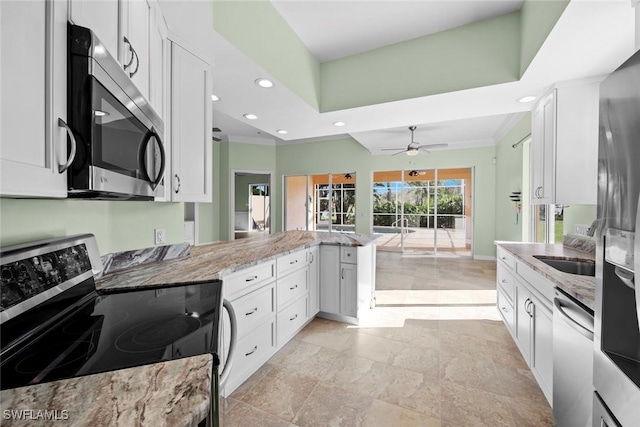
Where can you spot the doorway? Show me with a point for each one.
(427, 212)
(251, 202)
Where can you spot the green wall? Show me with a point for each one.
(118, 226)
(537, 19)
(509, 171)
(347, 155)
(238, 157)
(257, 29)
(577, 214)
(475, 55)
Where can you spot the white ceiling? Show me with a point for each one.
(332, 29)
(591, 38)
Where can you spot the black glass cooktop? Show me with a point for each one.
(105, 332)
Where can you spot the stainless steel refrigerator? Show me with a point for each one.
(617, 336)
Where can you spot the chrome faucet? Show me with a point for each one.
(592, 229)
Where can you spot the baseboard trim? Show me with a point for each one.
(484, 258)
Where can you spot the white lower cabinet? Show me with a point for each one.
(275, 299)
(314, 281)
(529, 318)
(291, 319)
(347, 275)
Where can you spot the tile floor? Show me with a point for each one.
(432, 353)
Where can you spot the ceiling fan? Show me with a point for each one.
(414, 147)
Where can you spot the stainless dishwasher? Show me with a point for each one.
(572, 362)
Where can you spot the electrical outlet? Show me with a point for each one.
(159, 236)
(581, 229)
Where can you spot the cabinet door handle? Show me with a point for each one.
(137, 63)
(251, 312)
(342, 273)
(252, 351)
(128, 64)
(251, 279)
(293, 288)
(294, 317)
(179, 184)
(72, 152)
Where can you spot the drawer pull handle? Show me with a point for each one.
(294, 317)
(293, 262)
(504, 309)
(504, 280)
(293, 288)
(252, 351)
(504, 258)
(251, 312)
(250, 279)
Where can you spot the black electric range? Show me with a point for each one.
(55, 325)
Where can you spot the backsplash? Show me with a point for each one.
(121, 260)
(579, 243)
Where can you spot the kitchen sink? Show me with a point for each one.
(582, 268)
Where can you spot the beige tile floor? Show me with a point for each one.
(432, 353)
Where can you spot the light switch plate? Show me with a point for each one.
(159, 236)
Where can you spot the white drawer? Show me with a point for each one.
(241, 282)
(540, 285)
(291, 319)
(292, 287)
(254, 349)
(506, 281)
(349, 254)
(291, 262)
(252, 308)
(505, 307)
(507, 258)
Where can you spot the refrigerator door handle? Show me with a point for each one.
(636, 260)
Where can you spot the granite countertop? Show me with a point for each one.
(211, 262)
(174, 393)
(581, 288)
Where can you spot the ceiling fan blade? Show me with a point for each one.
(393, 149)
(403, 151)
(434, 145)
(423, 150)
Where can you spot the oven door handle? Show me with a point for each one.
(233, 323)
(142, 152)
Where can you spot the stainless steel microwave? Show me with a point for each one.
(116, 135)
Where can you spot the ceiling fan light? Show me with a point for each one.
(412, 152)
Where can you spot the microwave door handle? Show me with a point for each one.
(163, 162)
(141, 154)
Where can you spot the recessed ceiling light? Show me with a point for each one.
(526, 99)
(215, 98)
(250, 116)
(266, 83)
(339, 123)
(282, 131)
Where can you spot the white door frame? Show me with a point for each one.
(232, 197)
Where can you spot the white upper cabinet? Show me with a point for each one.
(564, 145)
(191, 117)
(157, 61)
(101, 17)
(135, 42)
(33, 86)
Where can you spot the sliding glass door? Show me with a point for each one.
(423, 211)
(323, 202)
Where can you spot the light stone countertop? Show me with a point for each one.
(174, 393)
(580, 287)
(210, 262)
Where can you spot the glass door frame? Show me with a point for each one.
(403, 222)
